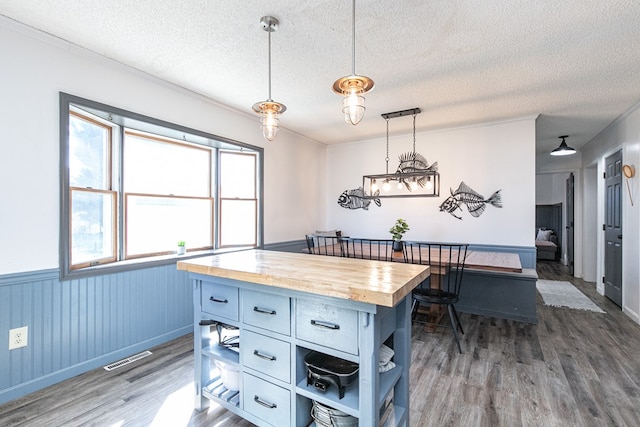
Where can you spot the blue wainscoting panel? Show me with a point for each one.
(82, 324)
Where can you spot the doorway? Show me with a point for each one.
(613, 228)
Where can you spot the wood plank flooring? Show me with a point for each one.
(574, 368)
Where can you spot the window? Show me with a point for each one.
(238, 199)
(133, 187)
(167, 186)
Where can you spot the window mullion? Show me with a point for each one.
(119, 184)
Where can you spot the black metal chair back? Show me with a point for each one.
(446, 261)
(324, 245)
(373, 249)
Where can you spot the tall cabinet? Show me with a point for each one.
(282, 319)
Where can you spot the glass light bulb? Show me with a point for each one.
(414, 184)
(386, 186)
(429, 183)
(374, 185)
(269, 125)
(400, 186)
(353, 103)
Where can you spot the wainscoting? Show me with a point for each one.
(82, 324)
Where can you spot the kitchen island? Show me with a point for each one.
(285, 306)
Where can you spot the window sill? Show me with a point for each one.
(139, 263)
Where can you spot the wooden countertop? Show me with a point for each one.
(374, 282)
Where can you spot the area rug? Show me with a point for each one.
(563, 294)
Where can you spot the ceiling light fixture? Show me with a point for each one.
(353, 87)
(269, 109)
(563, 149)
(414, 176)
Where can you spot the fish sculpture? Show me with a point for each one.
(357, 199)
(413, 162)
(475, 203)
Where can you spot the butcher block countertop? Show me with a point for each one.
(374, 282)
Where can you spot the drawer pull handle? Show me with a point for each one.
(322, 324)
(257, 399)
(264, 356)
(222, 300)
(264, 310)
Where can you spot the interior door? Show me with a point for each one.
(613, 228)
(569, 226)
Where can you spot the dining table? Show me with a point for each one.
(439, 265)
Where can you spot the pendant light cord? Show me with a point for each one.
(387, 158)
(414, 140)
(353, 46)
(269, 31)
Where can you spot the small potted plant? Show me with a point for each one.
(397, 231)
(181, 247)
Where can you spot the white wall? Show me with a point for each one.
(488, 157)
(551, 189)
(623, 134)
(36, 67)
(591, 226)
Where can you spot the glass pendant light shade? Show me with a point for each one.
(353, 103)
(269, 111)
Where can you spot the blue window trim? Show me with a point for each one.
(172, 130)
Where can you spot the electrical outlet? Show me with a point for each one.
(18, 337)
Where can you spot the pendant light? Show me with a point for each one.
(413, 177)
(353, 87)
(563, 149)
(269, 109)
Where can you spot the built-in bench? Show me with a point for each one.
(496, 284)
(501, 294)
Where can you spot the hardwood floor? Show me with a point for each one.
(574, 368)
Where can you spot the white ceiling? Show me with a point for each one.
(574, 62)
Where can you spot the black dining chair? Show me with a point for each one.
(372, 249)
(324, 245)
(442, 288)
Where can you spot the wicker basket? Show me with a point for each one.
(325, 416)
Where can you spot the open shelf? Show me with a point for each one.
(387, 381)
(215, 390)
(222, 353)
(348, 404)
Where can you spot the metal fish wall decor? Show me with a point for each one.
(412, 162)
(474, 202)
(355, 199)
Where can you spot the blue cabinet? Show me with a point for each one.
(277, 328)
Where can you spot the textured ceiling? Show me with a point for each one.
(574, 62)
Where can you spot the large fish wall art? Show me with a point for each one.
(413, 162)
(357, 199)
(474, 202)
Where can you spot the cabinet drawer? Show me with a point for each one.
(267, 355)
(327, 325)
(220, 300)
(266, 401)
(267, 311)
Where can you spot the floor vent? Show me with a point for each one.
(130, 359)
